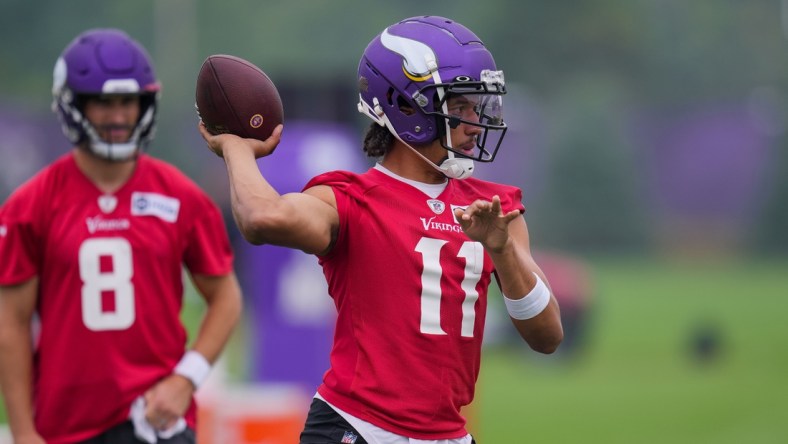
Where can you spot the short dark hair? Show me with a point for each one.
(378, 140)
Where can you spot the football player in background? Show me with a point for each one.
(93, 250)
(410, 246)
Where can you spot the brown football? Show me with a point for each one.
(235, 96)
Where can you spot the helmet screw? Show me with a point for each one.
(417, 129)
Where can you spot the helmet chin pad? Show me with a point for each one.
(457, 167)
(113, 151)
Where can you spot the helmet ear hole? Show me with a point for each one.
(390, 97)
(405, 107)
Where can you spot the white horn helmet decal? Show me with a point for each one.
(418, 59)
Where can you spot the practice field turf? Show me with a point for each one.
(642, 378)
(646, 373)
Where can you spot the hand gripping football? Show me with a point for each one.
(235, 96)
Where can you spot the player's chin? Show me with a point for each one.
(115, 136)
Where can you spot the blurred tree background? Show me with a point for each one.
(616, 91)
(648, 136)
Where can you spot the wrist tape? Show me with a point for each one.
(532, 304)
(194, 367)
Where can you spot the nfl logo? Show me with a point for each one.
(436, 206)
(349, 438)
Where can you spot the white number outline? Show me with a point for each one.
(118, 281)
(431, 294)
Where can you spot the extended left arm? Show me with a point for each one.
(505, 238)
(515, 270)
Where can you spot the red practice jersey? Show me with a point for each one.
(110, 285)
(411, 293)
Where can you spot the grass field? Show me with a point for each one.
(636, 380)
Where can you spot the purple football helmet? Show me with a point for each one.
(97, 62)
(409, 72)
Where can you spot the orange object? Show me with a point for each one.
(252, 414)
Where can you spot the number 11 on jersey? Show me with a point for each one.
(431, 293)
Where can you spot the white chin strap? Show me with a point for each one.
(113, 151)
(453, 167)
(456, 167)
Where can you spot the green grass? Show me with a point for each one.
(636, 380)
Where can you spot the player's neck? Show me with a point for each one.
(403, 162)
(106, 175)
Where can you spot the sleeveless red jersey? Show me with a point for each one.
(411, 293)
(110, 285)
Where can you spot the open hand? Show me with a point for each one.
(483, 221)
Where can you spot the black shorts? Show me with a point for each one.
(124, 434)
(325, 426)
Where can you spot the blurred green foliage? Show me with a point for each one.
(667, 51)
(590, 68)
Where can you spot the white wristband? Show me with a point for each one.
(194, 367)
(532, 304)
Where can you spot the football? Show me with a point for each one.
(235, 96)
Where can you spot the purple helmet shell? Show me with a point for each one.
(414, 64)
(104, 61)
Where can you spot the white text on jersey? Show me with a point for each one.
(440, 226)
(100, 224)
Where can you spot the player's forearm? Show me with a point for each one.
(543, 333)
(17, 305)
(252, 197)
(515, 270)
(517, 275)
(224, 303)
(16, 370)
